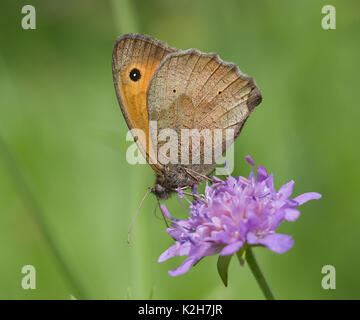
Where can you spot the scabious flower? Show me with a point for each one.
(232, 213)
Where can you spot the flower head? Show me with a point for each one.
(232, 213)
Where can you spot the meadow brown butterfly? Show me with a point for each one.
(179, 89)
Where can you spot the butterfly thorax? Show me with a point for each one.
(171, 178)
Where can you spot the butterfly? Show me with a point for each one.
(178, 89)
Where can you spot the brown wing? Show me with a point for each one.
(193, 90)
(134, 61)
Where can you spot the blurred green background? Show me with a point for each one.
(62, 132)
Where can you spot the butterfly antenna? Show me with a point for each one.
(136, 214)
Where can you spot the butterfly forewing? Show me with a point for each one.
(134, 61)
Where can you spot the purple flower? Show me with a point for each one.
(233, 213)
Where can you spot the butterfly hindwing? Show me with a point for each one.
(194, 90)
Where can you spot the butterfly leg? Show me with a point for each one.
(188, 171)
(155, 209)
(191, 175)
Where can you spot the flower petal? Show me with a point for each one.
(231, 248)
(277, 242)
(251, 238)
(261, 174)
(176, 250)
(185, 266)
(169, 253)
(250, 160)
(165, 211)
(274, 220)
(291, 214)
(305, 197)
(286, 190)
(270, 184)
(253, 221)
(180, 193)
(220, 237)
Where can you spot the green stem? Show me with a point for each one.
(256, 271)
(124, 16)
(38, 215)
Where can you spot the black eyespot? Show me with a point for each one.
(219, 92)
(135, 74)
(174, 90)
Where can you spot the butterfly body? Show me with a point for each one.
(179, 90)
(170, 179)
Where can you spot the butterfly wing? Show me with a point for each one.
(193, 90)
(134, 61)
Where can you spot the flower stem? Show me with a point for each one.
(39, 217)
(256, 271)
